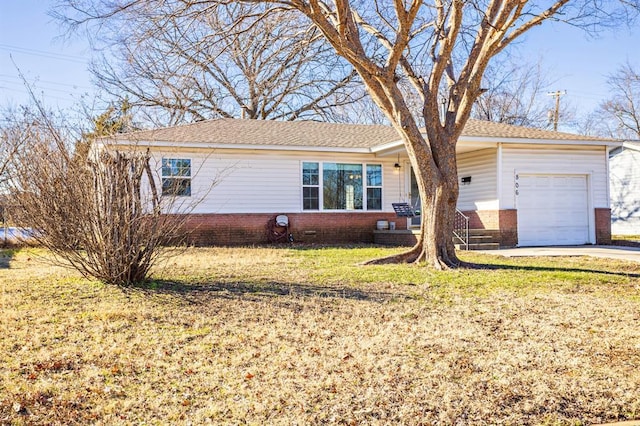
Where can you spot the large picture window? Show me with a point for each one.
(341, 186)
(176, 177)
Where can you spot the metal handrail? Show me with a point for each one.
(461, 228)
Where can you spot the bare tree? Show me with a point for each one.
(191, 63)
(516, 94)
(101, 215)
(427, 48)
(621, 112)
(515, 91)
(439, 45)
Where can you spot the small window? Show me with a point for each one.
(310, 186)
(176, 177)
(374, 187)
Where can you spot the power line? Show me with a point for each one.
(38, 81)
(43, 54)
(40, 88)
(25, 92)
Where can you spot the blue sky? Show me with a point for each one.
(579, 63)
(58, 69)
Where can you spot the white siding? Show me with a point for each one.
(482, 192)
(262, 181)
(227, 181)
(625, 192)
(588, 161)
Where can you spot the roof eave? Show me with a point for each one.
(393, 146)
(472, 140)
(389, 146)
(633, 144)
(539, 141)
(206, 145)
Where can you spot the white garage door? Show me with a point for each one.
(552, 210)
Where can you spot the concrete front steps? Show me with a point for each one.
(479, 239)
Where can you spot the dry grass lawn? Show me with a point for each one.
(307, 336)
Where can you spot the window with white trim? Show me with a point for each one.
(344, 186)
(374, 187)
(310, 186)
(176, 177)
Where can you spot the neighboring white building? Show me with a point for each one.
(334, 181)
(624, 166)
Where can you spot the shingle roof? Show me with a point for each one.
(500, 130)
(320, 134)
(269, 132)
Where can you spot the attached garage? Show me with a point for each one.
(553, 209)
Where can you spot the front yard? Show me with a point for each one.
(307, 336)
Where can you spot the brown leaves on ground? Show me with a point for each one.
(78, 352)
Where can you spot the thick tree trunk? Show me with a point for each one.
(435, 167)
(435, 242)
(433, 160)
(435, 245)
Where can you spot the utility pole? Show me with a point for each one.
(556, 114)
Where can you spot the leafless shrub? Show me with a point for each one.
(101, 214)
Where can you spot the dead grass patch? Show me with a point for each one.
(306, 336)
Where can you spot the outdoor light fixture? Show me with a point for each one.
(397, 165)
(466, 180)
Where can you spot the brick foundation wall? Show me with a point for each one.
(402, 237)
(603, 226)
(344, 228)
(321, 228)
(483, 219)
(506, 221)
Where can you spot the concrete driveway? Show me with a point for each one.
(610, 252)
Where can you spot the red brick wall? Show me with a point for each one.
(603, 226)
(340, 228)
(396, 238)
(322, 228)
(483, 219)
(506, 221)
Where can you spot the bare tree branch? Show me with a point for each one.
(197, 60)
(403, 51)
(440, 47)
(516, 93)
(621, 112)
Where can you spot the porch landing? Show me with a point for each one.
(479, 239)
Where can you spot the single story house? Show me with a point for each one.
(624, 164)
(335, 182)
